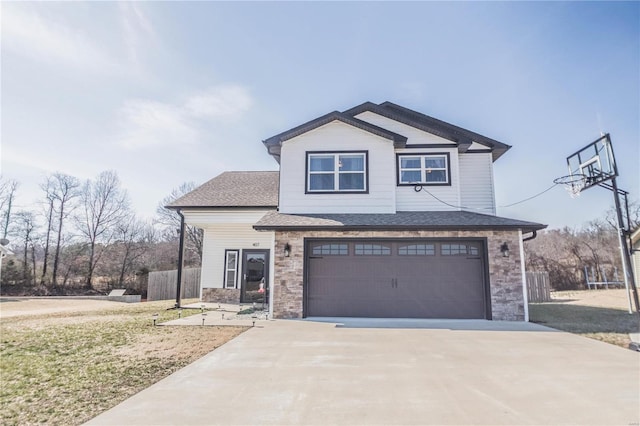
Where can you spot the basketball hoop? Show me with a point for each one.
(572, 183)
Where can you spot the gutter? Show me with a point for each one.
(258, 227)
(531, 237)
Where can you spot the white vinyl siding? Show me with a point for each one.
(407, 199)
(475, 146)
(228, 230)
(476, 183)
(202, 218)
(218, 238)
(636, 263)
(337, 137)
(413, 135)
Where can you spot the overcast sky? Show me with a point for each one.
(169, 92)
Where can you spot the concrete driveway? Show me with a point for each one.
(452, 372)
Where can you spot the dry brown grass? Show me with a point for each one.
(597, 314)
(66, 368)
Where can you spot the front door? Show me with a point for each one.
(255, 275)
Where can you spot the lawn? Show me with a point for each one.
(597, 314)
(66, 368)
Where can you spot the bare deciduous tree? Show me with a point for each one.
(131, 235)
(60, 191)
(8, 190)
(47, 187)
(24, 228)
(65, 189)
(104, 206)
(170, 220)
(567, 252)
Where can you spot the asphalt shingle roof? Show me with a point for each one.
(233, 189)
(450, 220)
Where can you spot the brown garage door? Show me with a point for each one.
(396, 279)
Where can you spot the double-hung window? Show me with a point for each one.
(423, 169)
(336, 172)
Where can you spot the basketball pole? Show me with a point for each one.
(626, 255)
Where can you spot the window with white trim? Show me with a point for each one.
(337, 172)
(423, 169)
(230, 268)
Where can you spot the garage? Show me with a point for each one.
(411, 278)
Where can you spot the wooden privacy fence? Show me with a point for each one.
(538, 287)
(162, 284)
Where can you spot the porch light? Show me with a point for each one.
(504, 249)
(287, 250)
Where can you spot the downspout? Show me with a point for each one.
(525, 296)
(180, 261)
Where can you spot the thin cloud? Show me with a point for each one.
(219, 102)
(19, 158)
(137, 30)
(148, 123)
(29, 34)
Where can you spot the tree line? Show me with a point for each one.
(568, 254)
(83, 236)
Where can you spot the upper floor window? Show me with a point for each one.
(337, 172)
(423, 169)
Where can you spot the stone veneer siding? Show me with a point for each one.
(221, 295)
(505, 275)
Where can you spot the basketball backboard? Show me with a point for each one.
(595, 162)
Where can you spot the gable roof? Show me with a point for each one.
(460, 136)
(431, 220)
(233, 189)
(273, 143)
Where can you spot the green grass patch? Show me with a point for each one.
(67, 368)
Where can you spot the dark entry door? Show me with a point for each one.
(255, 275)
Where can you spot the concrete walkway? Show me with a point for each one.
(457, 372)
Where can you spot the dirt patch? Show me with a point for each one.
(18, 306)
(603, 298)
(150, 347)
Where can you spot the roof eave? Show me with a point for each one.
(274, 143)
(269, 207)
(529, 228)
(435, 126)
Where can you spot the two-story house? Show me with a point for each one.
(377, 211)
